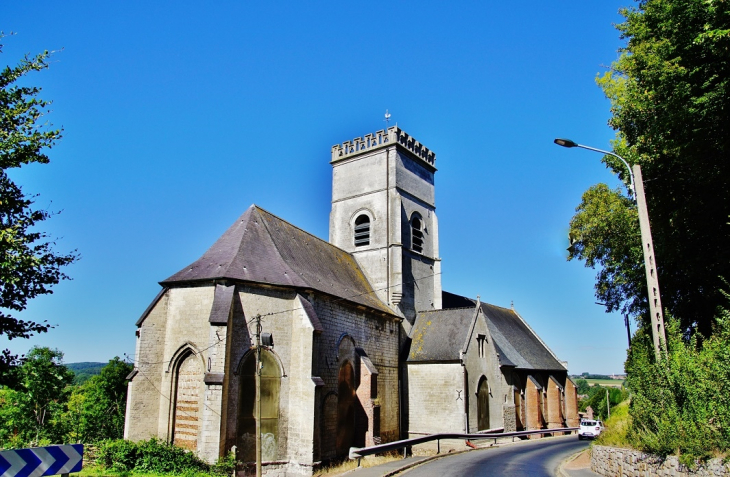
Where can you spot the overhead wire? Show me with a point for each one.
(289, 310)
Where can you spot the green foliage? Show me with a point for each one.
(616, 427)
(582, 386)
(597, 399)
(681, 405)
(225, 465)
(605, 234)
(99, 405)
(156, 456)
(32, 415)
(46, 408)
(28, 264)
(84, 371)
(669, 93)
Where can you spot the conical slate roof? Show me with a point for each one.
(260, 247)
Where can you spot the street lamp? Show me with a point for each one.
(652, 279)
(569, 143)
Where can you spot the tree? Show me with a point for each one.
(583, 386)
(670, 105)
(605, 233)
(97, 408)
(29, 266)
(40, 400)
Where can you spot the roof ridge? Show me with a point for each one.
(449, 309)
(247, 218)
(500, 307)
(276, 246)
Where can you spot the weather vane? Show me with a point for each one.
(387, 119)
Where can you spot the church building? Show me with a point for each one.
(367, 347)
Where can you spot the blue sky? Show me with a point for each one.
(177, 116)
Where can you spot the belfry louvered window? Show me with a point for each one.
(416, 234)
(362, 231)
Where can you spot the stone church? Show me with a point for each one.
(367, 346)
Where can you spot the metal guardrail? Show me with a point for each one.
(357, 453)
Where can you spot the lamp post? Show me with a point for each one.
(652, 279)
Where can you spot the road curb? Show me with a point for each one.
(561, 470)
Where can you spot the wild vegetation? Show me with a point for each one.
(85, 370)
(601, 399)
(43, 406)
(681, 405)
(669, 92)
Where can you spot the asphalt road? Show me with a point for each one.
(535, 458)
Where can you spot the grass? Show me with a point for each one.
(98, 471)
(616, 427)
(345, 466)
(615, 383)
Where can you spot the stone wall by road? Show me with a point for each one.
(613, 461)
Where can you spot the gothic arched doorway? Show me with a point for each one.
(483, 405)
(270, 385)
(345, 408)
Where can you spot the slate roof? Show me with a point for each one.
(517, 345)
(440, 335)
(260, 247)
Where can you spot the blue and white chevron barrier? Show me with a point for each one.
(38, 461)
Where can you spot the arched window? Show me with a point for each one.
(362, 230)
(483, 405)
(416, 234)
(270, 384)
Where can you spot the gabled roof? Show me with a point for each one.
(260, 247)
(439, 336)
(516, 342)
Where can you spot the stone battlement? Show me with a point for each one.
(394, 135)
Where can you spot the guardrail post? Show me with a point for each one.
(438, 446)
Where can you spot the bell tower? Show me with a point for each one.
(384, 214)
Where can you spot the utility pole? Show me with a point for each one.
(652, 280)
(258, 395)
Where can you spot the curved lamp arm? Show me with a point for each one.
(569, 143)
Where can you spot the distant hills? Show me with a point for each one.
(84, 371)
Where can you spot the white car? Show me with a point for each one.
(589, 429)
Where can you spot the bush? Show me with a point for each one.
(152, 456)
(117, 455)
(681, 405)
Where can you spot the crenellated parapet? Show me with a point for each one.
(382, 138)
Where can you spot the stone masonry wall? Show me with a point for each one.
(378, 336)
(143, 399)
(436, 398)
(613, 461)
